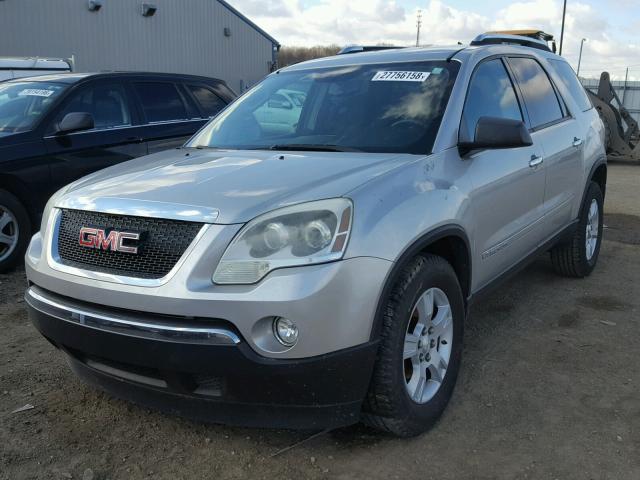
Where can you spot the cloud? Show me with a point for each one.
(602, 51)
(266, 8)
(345, 22)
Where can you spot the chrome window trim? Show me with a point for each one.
(53, 259)
(92, 130)
(38, 300)
(124, 127)
(169, 122)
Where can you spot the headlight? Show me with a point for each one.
(303, 234)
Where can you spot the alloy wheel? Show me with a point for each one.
(592, 229)
(427, 345)
(9, 232)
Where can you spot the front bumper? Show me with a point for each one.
(203, 371)
(333, 304)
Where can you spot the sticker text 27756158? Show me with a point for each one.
(395, 76)
(35, 92)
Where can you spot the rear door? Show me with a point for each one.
(508, 195)
(114, 139)
(170, 116)
(561, 136)
(587, 138)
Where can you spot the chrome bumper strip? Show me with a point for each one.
(136, 325)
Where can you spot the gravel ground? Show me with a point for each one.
(549, 389)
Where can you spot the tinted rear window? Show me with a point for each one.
(569, 78)
(539, 95)
(161, 101)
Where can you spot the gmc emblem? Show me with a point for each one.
(101, 240)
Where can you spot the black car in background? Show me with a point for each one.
(55, 129)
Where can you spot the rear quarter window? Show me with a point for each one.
(210, 103)
(570, 80)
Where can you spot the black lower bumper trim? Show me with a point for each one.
(228, 384)
(236, 414)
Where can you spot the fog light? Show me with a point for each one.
(285, 331)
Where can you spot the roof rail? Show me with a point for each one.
(366, 48)
(503, 38)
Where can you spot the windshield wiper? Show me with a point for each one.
(313, 147)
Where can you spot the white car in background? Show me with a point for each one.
(281, 111)
(30, 67)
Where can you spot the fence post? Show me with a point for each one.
(624, 89)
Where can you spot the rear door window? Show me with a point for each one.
(539, 95)
(210, 103)
(161, 102)
(491, 94)
(570, 80)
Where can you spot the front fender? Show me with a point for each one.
(395, 210)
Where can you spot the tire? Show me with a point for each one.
(389, 405)
(574, 258)
(14, 222)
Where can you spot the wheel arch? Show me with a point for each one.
(448, 241)
(15, 187)
(599, 175)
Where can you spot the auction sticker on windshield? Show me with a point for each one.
(395, 76)
(35, 92)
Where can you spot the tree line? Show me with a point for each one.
(291, 55)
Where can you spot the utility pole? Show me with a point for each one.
(624, 90)
(580, 56)
(564, 12)
(418, 25)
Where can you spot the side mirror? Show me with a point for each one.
(75, 122)
(497, 132)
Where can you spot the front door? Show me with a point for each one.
(114, 139)
(508, 195)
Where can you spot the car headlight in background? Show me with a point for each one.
(303, 234)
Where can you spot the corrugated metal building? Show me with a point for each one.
(628, 92)
(200, 37)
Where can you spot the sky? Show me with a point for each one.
(611, 27)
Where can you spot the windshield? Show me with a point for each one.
(393, 107)
(22, 104)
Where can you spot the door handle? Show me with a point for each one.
(134, 139)
(577, 141)
(535, 161)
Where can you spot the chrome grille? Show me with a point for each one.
(162, 243)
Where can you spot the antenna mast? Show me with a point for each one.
(418, 25)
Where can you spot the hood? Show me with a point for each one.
(224, 186)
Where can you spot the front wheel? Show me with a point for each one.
(420, 349)
(15, 231)
(577, 257)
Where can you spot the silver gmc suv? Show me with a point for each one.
(308, 259)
